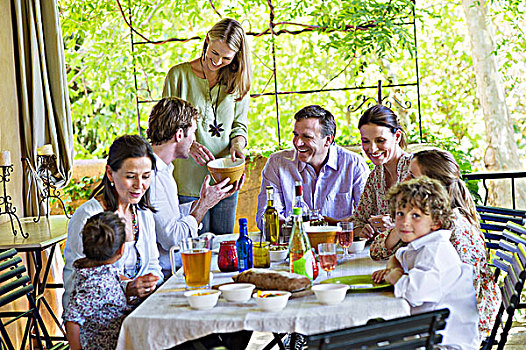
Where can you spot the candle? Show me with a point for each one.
(5, 158)
(46, 150)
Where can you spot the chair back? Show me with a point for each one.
(14, 284)
(408, 332)
(511, 259)
(493, 221)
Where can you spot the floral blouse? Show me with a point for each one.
(469, 244)
(373, 202)
(98, 304)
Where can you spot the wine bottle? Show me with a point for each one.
(298, 201)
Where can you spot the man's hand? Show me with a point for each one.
(209, 196)
(200, 153)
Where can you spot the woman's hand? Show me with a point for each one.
(366, 232)
(142, 286)
(200, 153)
(381, 223)
(238, 143)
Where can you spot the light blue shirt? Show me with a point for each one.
(335, 191)
(172, 220)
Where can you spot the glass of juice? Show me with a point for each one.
(196, 255)
(327, 256)
(345, 237)
(261, 254)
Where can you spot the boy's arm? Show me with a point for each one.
(73, 335)
(395, 270)
(393, 265)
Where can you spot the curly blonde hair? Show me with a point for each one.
(423, 193)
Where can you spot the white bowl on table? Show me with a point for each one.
(278, 255)
(238, 292)
(331, 293)
(272, 300)
(202, 299)
(357, 245)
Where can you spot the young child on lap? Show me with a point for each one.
(428, 272)
(98, 304)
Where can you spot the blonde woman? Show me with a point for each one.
(217, 83)
(465, 233)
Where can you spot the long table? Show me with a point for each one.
(165, 319)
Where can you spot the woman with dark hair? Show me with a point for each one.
(217, 84)
(124, 190)
(383, 141)
(465, 234)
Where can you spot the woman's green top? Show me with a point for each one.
(182, 82)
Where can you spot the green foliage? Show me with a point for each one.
(100, 63)
(100, 59)
(78, 190)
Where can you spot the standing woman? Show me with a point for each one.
(124, 190)
(383, 141)
(465, 234)
(217, 84)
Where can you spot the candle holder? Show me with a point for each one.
(5, 200)
(45, 163)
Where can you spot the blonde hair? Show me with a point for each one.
(237, 76)
(441, 165)
(423, 193)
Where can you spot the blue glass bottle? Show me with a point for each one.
(244, 247)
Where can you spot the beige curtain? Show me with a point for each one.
(44, 110)
(42, 90)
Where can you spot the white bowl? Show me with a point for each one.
(238, 292)
(203, 299)
(278, 255)
(330, 294)
(357, 245)
(275, 303)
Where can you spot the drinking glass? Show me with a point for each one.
(327, 255)
(196, 255)
(261, 254)
(345, 237)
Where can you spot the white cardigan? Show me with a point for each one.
(146, 244)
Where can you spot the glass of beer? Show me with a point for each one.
(196, 254)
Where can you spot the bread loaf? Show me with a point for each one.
(273, 280)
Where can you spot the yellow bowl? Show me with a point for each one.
(322, 234)
(222, 168)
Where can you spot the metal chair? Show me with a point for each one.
(512, 261)
(15, 284)
(493, 221)
(408, 332)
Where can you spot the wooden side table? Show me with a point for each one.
(47, 233)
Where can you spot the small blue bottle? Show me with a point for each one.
(244, 247)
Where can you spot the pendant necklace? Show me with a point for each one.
(215, 129)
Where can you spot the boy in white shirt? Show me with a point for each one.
(428, 272)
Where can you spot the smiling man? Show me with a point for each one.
(333, 177)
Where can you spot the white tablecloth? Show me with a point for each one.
(165, 318)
